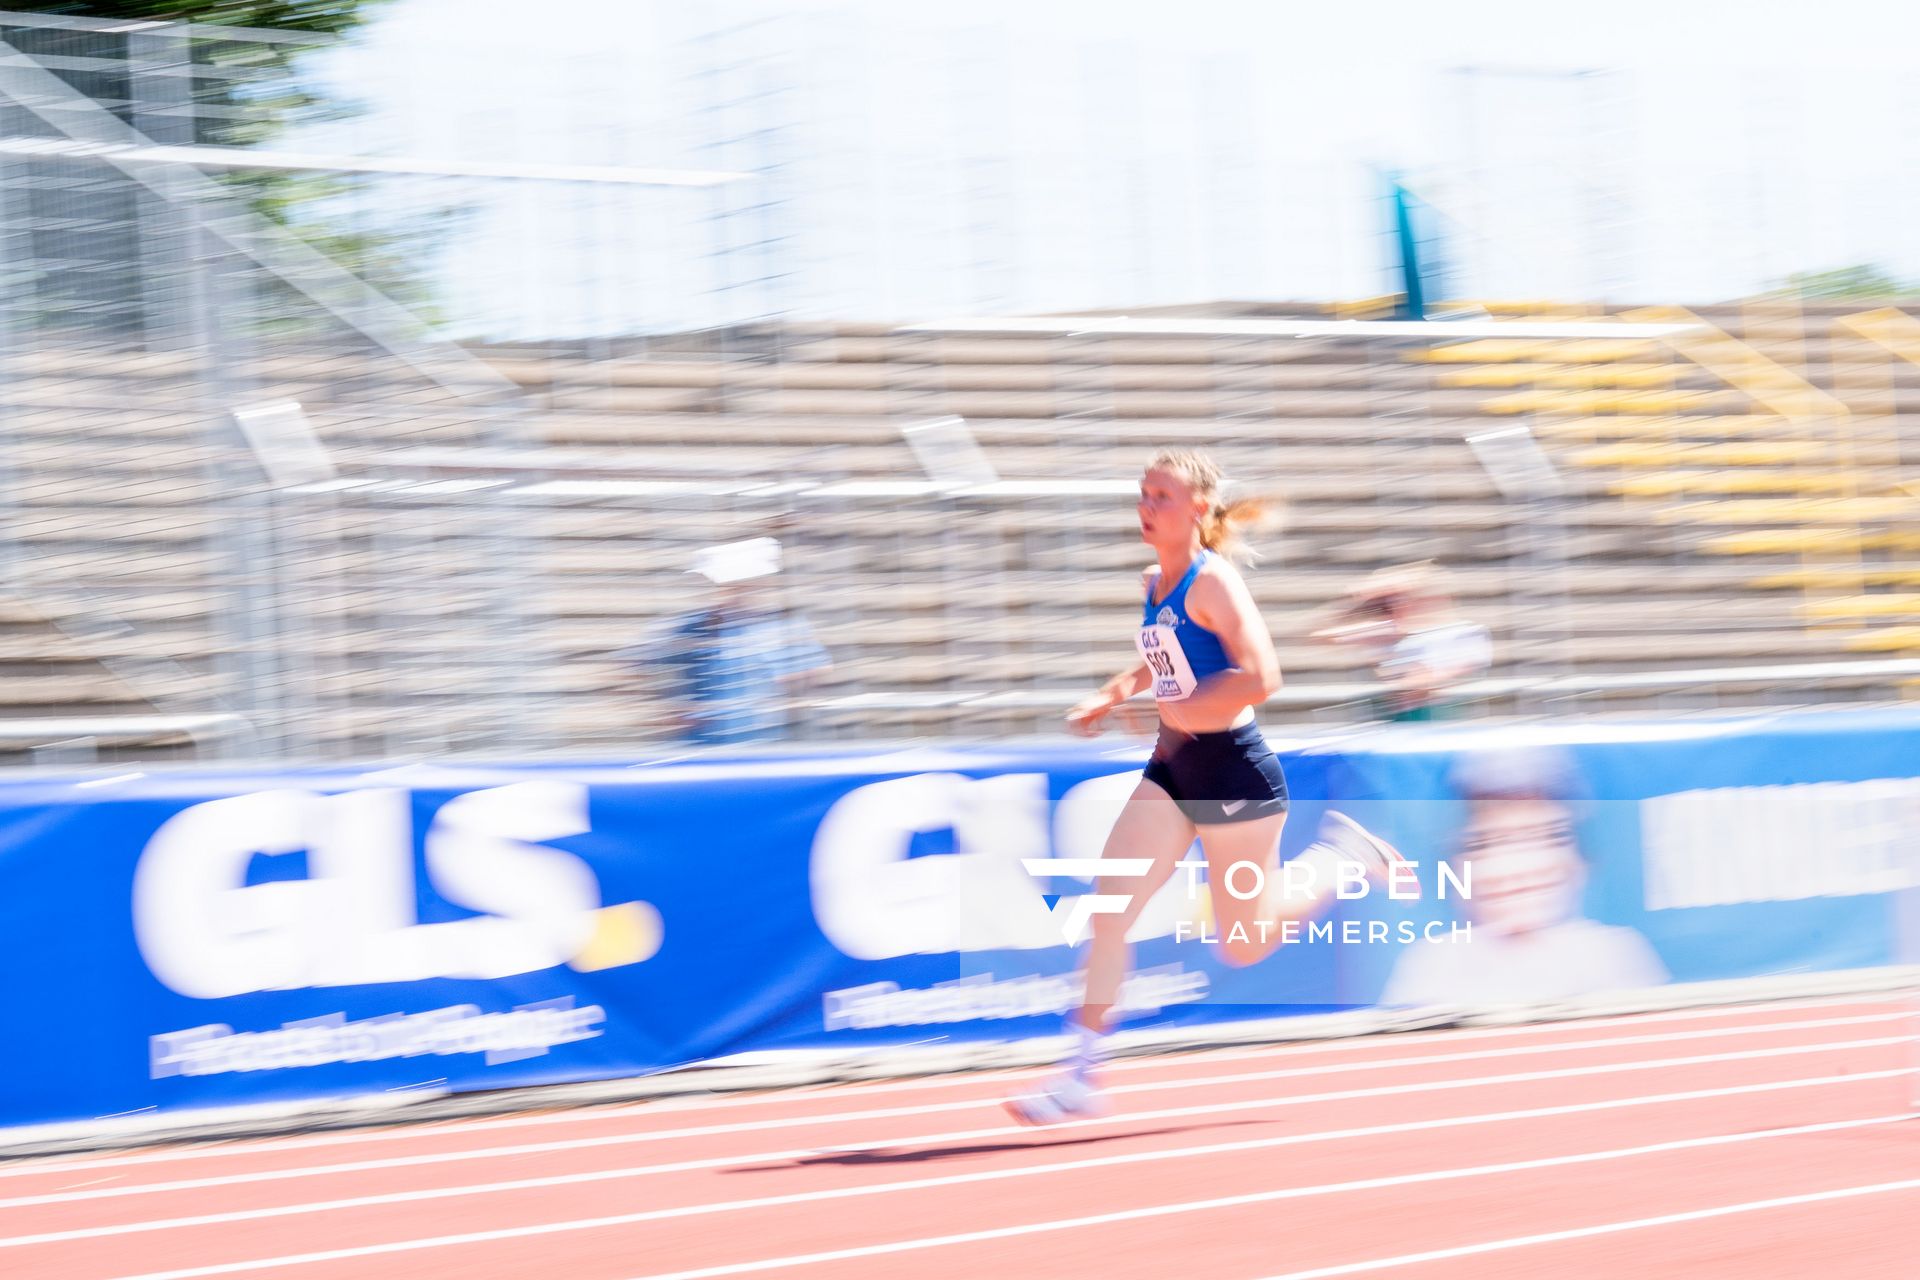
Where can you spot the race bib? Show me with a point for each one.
(1167, 661)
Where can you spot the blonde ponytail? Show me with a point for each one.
(1222, 524)
(1221, 527)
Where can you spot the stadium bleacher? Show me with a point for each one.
(1704, 515)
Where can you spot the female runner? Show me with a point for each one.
(1206, 654)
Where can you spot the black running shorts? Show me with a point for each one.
(1219, 778)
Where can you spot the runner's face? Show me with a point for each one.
(1526, 872)
(1169, 511)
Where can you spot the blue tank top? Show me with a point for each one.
(1177, 650)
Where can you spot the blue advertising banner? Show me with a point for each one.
(199, 938)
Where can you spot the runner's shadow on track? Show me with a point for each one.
(1041, 1141)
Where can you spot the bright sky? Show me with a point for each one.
(936, 159)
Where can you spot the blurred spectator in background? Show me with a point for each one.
(1530, 939)
(730, 671)
(1404, 620)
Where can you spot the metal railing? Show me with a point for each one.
(1702, 683)
(81, 739)
(147, 305)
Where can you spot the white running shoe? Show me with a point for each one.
(1364, 847)
(1064, 1096)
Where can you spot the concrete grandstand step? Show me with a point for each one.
(1746, 480)
(1121, 433)
(1364, 448)
(1843, 576)
(638, 399)
(1090, 349)
(91, 688)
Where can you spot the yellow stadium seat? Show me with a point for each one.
(1604, 402)
(1667, 483)
(1623, 455)
(1890, 328)
(1769, 453)
(1661, 484)
(1488, 351)
(1363, 308)
(1886, 640)
(1763, 453)
(1764, 379)
(1774, 542)
(1604, 350)
(1814, 576)
(1612, 375)
(1566, 351)
(1792, 510)
(1540, 373)
(1666, 427)
(1891, 604)
(1537, 308)
(1498, 375)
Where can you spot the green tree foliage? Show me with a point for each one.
(269, 106)
(319, 17)
(327, 210)
(1865, 280)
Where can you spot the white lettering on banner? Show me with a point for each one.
(978, 997)
(206, 933)
(200, 930)
(1780, 844)
(874, 902)
(528, 1031)
(537, 902)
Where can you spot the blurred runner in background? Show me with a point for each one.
(1404, 620)
(729, 672)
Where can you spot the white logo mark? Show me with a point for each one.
(1082, 909)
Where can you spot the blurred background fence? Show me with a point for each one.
(254, 497)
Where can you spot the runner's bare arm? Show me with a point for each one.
(1087, 715)
(1220, 602)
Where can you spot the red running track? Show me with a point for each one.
(1753, 1142)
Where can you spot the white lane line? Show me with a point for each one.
(1602, 1229)
(587, 1112)
(977, 1079)
(1031, 1228)
(593, 1112)
(1023, 1171)
(1167, 1113)
(92, 1182)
